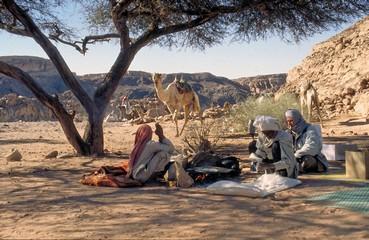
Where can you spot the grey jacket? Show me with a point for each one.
(309, 142)
(264, 150)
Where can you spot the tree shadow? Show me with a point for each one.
(235, 136)
(353, 122)
(233, 149)
(28, 141)
(360, 140)
(100, 210)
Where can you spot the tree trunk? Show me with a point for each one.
(65, 119)
(94, 134)
(72, 134)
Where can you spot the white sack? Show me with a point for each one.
(261, 187)
(236, 189)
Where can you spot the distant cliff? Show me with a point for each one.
(211, 89)
(263, 83)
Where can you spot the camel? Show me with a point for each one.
(175, 100)
(308, 98)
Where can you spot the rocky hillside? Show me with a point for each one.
(339, 69)
(263, 83)
(212, 90)
(135, 84)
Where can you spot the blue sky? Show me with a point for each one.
(229, 60)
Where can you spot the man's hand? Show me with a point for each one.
(159, 131)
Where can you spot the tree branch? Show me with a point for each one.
(152, 34)
(81, 46)
(14, 30)
(119, 17)
(97, 38)
(52, 52)
(51, 102)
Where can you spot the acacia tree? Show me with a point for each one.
(167, 23)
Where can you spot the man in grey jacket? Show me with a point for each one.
(274, 148)
(307, 142)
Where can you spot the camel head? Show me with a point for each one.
(157, 78)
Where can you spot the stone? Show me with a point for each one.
(357, 164)
(15, 155)
(65, 155)
(52, 154)
(362, 105)
(155, 112)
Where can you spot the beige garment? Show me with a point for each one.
(153, 158)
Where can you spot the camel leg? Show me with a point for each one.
(186, 114)
(316, 101)
(302, 103)
(320, 117)
(174, 111)
(174, 118)
(309, 106)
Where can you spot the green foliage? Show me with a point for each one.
(201, 24)
(253, 107)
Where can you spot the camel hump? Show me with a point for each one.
(183, 86)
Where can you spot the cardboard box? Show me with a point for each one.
(357, 164)
(337, 151)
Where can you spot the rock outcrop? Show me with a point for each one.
(15, 108)
(339, 70)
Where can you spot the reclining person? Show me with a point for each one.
(307, 143)
(149, 157)
(274, 148)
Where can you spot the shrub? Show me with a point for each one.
(203, 136)
(252, 107)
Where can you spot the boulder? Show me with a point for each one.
(15, 155)
(52, 154)
(362, 105)
(155, 112)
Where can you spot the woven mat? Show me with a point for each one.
(356, 200)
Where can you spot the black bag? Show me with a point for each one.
(209, 167)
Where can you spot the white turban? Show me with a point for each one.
(266, 123)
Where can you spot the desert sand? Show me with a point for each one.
(43, 199)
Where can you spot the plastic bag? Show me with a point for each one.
(263, 186)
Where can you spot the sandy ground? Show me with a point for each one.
(43, 199)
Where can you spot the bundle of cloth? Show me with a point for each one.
(110, 176)
(148, 160)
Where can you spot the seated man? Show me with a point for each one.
(274, 148)
(149, 157)
(307, 142)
